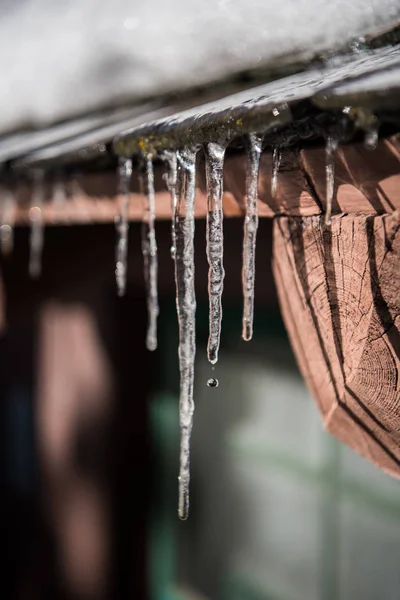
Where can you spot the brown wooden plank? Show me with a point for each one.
(340, 296)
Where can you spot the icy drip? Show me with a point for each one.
(186, 309)
(149, 250)
(214, 155)
(171, 160)
(7, 224)
(276, 163)
(59, 197)
(122, 225)
(330, 149)
(254, 149)
(36, 239)
(371, 136)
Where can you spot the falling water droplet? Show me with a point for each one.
(254, 149)
(276, 162)
(36, 239)
(330, 150)
(186, 310)
(212, 382)
(122, 224)
(214, 156)
(170, 158)
(149, 250)
(7, 223)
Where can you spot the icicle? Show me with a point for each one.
(149, 250)
(250, 233)
(7, 224)
(122, 224)
(214, 155)
(59, 196)
(37, 226)
(186, 309)
(330, 149)
(276, 162)
(371, 135)
(170, 158)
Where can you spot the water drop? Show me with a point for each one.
(213, 383)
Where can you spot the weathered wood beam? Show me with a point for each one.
(339, 290)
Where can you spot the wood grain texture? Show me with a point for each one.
(340, 296)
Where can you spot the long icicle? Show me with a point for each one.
(36, 239)
(330, 150)
(254, 150)
(122, 225)
(186, 309)
(149, 249)
(171, 159)
(214, 155)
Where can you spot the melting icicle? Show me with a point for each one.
(122, 224)
(149, 250)
(37, 226)
(276, 163)
(59, 196)
(330, 149)
(171, 160)
(186, 309)
(371, 136)
(250, 233)
(7, 224)
(214, 155)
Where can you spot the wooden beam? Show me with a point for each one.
(339, 292)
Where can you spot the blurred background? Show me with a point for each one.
(89, 445)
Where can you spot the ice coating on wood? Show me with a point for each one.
(214, 155)
(276, 162)
(186, 309)
(122, 224)
(7, 223)
(330, 149)
(36, 239)
(254, 149)
(149, 250)
(170, 157)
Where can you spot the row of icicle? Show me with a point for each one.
(181, 180)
